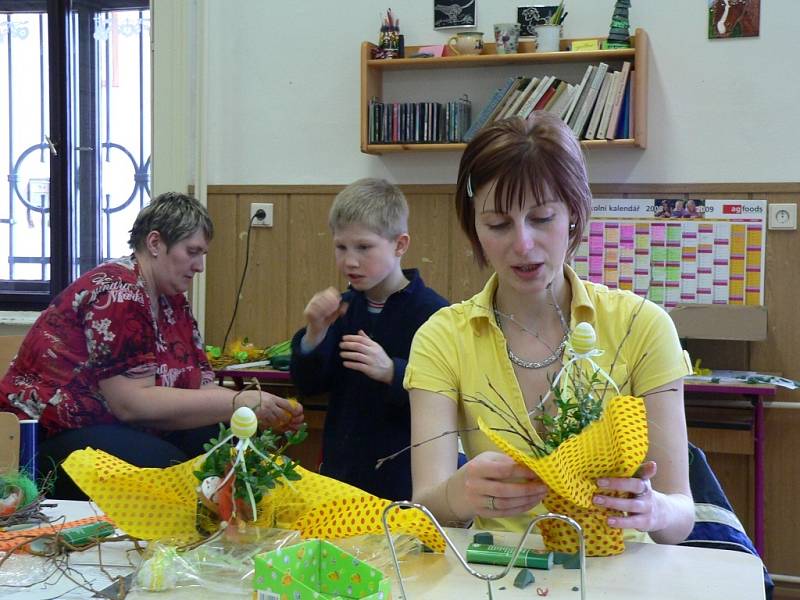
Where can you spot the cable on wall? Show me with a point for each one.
(259, 214)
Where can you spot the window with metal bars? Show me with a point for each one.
(74, 139)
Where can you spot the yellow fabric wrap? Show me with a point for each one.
(161, 504)
(613, 446)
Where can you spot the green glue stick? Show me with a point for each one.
(491, 554)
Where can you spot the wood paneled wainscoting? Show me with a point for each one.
(294, 259)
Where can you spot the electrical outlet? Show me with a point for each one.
(266, 221)
(782, 216)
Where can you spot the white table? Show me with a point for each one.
(649, 571)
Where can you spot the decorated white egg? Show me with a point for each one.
(209, 486)
(583, 338)
(244, 422)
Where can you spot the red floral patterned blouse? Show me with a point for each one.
(98, 327)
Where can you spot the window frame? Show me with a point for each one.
(38, 295)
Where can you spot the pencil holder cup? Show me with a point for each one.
(506, 37)
(389, 43)
(548, 37)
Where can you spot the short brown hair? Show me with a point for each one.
(175, 216)
(540, 155)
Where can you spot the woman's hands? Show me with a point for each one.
(643, 509)
(272, 411)
(496, 486)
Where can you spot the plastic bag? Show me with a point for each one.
(374, 549)
(223, 564)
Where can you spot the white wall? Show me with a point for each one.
(282, 93)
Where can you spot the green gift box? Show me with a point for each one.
(316, 569)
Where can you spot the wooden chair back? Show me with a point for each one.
(9, 425)
(9, 442)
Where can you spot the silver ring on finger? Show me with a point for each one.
(646, 488)
(490, 503)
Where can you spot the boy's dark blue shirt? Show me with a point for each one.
(367, 420)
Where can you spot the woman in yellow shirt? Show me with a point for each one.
(523, 200)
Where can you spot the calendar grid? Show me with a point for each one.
(677, 252)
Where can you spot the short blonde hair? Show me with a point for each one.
(376, 204)
(540, 155)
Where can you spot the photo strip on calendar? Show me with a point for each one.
(677, 251)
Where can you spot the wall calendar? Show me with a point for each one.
(677, 251)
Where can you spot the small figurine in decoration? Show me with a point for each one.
(235, 478)
(619, 36)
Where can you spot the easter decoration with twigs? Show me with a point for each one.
(235, 476)
(588, 437)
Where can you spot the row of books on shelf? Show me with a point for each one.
(418, 122)
(600, 106)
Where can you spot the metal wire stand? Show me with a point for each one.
(484, 576)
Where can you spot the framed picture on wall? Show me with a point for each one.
(453, 13)
(529, 17)
(733, 18)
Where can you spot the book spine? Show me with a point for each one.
(580, 98)
(542, 103)
(504, 101)
(557, 92)
(483, 116)
(599, 106)
(591, 96)
(561, 106)
(631, 111)
(615, 111)
(535, 96)
(529, 88)
(610, 98)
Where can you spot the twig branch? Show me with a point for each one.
(622, 343)
(380, 462)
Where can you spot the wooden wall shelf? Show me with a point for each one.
(372, 73)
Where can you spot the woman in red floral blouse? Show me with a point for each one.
(116, 361)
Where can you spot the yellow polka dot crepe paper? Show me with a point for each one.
(613, 446)
(149, 503)
(160, 503)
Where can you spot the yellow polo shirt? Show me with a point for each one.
(460, 349)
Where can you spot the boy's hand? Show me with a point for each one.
(322, 310)
(362, 353)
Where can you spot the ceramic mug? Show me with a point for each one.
(468, 42)
(548, 37)
(506, 36)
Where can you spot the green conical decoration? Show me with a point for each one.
(619, 35)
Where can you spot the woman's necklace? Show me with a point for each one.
(549, 360)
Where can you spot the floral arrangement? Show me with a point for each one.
(235, 476)
(586, 439)
(577, 394)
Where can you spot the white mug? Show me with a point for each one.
(548, 37)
